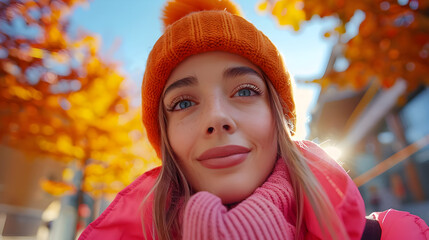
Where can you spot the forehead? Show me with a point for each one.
(209, 62)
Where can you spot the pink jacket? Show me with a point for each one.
(123, 218)
(397, 225)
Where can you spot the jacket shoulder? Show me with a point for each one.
(333, 178)
(122, 219)
(340, 189)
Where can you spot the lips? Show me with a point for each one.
(223, 157)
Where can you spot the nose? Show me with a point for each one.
(218, 118)
(225, 127)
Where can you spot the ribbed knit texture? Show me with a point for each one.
(267, 214)
(202, 32)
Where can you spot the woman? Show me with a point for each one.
(218, 108)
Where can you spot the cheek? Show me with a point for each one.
(263, 135)
(267, 137)
(261, 127)
(180, 135)
(270, 127)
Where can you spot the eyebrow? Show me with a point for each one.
(187, 81)
(240, 71)
(228, 73)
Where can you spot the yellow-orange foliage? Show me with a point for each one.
(81, 114)
(57, 188)
(392, 43)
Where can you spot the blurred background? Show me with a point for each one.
(70, 119)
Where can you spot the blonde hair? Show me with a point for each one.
(172, 191)
(302, 178)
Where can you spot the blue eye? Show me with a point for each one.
(183, 104)
(244, 92)
(247, 90)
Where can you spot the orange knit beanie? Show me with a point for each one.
(194, 28)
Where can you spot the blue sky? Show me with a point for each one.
(136, 25)
(128, 29)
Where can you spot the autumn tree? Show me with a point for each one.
(392, 43)
(60, 99)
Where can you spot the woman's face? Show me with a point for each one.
(220, 125)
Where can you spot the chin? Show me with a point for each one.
(233, 195)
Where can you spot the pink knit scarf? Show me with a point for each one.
(268, 213)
